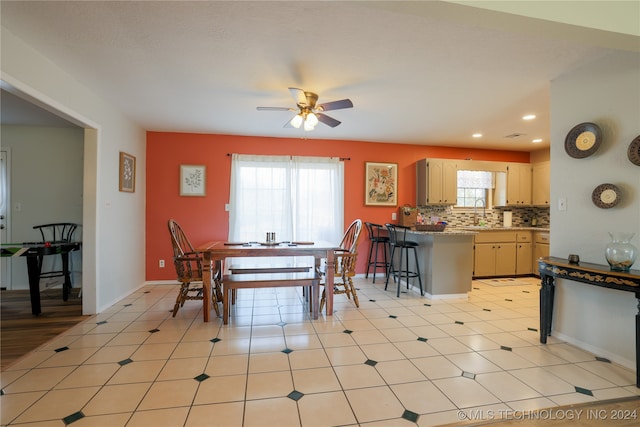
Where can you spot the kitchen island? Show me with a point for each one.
(446, 262)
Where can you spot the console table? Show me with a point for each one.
(552, 268)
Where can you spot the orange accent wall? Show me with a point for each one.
(204, 218)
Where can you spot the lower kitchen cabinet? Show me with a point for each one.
(540, 249)
(524, 252)
(495, 254)
(508, 252)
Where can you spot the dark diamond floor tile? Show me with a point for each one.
(504, 347)
(153, 331)
(584, 391)
(371, 362)
(72, 418)
(410, 416)
(603, 359)
(125, 362)
(392, 316)
(201, 377)
(423, 339)
(347, 331)
(287, 351)
(215, 340)
(58, 350)
(295, 395)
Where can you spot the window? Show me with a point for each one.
(473, 188)
(298, 198)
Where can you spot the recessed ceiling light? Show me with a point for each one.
(529, 117)
(537, 140)
(477, 135)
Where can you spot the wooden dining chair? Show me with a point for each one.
(188, 265)
(345, 264)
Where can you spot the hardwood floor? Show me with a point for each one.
(22, 332)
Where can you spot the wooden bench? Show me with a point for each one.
(248, 273)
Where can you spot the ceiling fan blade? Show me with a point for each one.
(298, 95)
(329, 121)
(274, 109)
(335, 105)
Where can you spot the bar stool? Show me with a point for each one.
(400, 242)
(377, 237)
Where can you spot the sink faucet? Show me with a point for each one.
(484, 211)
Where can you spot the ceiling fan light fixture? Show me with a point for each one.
(296, 121)
(308, 126)
(312, 119)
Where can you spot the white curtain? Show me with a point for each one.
(475, 179)
(298, 198)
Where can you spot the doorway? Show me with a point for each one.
(30, 103)
(5, 220)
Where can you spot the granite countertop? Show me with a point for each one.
(472, 230)
(500, 228)
(447, 231)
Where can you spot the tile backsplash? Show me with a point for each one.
(521, 216)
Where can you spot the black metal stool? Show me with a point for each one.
(377, 236)
(401, 243)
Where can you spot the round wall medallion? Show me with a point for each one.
(606, 196)
(583, 140)
(634, 151)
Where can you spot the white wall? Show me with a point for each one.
(607, 93)
(46, 184)
(113, 222)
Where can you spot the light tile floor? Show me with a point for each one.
(393, 362)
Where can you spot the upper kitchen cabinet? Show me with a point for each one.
(541, 184)
(513, 188)
(436, 182)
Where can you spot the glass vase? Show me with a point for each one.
(620, 253)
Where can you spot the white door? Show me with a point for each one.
(5, 263)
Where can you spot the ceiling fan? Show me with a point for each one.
(308, 112)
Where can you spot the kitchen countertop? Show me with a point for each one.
(447, 231)
(472, 230)
(500, 228)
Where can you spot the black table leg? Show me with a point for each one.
(66, 287)
(546, 307)
(33, 269)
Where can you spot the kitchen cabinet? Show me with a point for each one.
(540, 248)
(518, 184)
(494, 254)
(540, 190)
(436, 182)
(524, 252)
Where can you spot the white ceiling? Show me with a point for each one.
(421, 72)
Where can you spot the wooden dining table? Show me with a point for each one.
(214, 254)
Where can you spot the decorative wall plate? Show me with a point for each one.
(634, 151)
(583, 140)
(606, 196)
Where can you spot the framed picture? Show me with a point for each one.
(127, 173)
(381, 184)
(192, 180)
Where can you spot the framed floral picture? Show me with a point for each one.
(192, 180)
(127, 181)
(381, 184)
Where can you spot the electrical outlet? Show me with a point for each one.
(161, 263)
(394, 216)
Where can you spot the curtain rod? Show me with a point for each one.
(339, 158)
